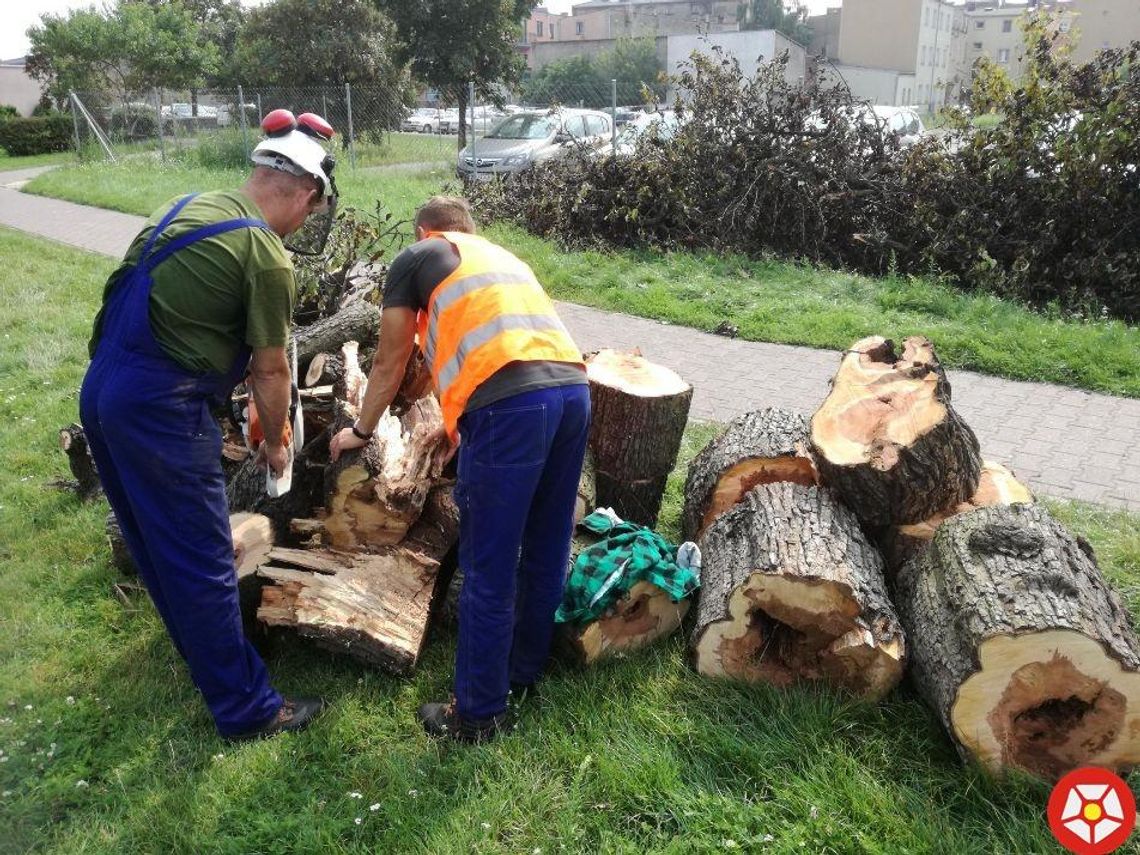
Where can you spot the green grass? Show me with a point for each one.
(9, 163)
(396, 148)
(768, 300)
(108, 749)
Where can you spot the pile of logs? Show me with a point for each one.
(876, 540)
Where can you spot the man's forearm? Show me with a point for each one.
(272, 393)
(381, 390)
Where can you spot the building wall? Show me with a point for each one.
(542, 26)
(749, 47)
(879, 34)
(17, 89)
(996, 33)
(1102, 24)
(876, 85)
(545, 53)
(825, 33)
(613, 20)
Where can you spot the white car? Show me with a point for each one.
(425, 121)
(485, 119)
(662, 125)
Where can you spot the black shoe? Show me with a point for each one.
(523, 691)
(443, 720)
(294, 714)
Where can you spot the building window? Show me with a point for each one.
(538, 28)
(979, 25)
(1003, 54)
(1063, 26)
(926, 17)
(977, 45)
(579, 28)
(1007, 26)
(922, 55)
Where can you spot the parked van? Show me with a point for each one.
(524, 139)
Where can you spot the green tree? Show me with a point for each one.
(296, 45)
(633, 63)
(785, 16)
(587, 80)
(450, 43)
(123, 49)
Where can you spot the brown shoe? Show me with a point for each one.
(294, 714)
(443, 720)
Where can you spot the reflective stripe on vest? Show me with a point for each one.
(489, 312)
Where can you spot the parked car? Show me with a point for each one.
(424, 120)
(485, 119)
(524, 139)
(662, 125)
(625, 115)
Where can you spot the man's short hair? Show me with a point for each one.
(445, 214)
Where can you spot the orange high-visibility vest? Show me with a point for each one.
(489, 312)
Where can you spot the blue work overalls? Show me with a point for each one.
(158, 451)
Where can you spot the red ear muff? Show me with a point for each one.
(314, 126)
(278, 122)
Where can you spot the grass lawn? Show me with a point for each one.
(400, 147)
(767, 300)
(105, 747)
(9, 163)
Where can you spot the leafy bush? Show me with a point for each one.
(24, 136)
(220, 150)
(1043, 207)
(133, 123)
(7, 111)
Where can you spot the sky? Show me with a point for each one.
(18, 16)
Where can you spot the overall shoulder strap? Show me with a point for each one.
(202, 233)
(161, 227)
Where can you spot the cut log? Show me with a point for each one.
(791, 590)
(761, 447)
(324, 370)
(587, 499)
(359, 321)
(372, 606)
(372, 496)
(886, 438)
(643, 615)
(997, 486)
(73, 443)
(639, 414)
(1020, 646)
(120, 555)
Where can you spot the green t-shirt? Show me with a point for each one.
(216, 293)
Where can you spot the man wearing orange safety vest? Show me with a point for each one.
(512, 387)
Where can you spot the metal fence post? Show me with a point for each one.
(158, 116)
(471, 102)
(613, 115)
(74, 121)
(351, 134)
(244, 130)
(260, 113)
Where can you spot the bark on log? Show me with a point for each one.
(416, 383)
(761, 447)
(359, 321)
(639, 414)
(375, 607)
(887, 439)
(792, 590)
(372, 496)
(1020, 646)
(73, 443)
(246, 489)
(120, 555)
(997, 486)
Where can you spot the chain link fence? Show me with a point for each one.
(376, 127)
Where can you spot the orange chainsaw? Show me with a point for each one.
(292, 435)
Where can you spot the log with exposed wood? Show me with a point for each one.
(359, 321)
(352, 381)
(997, 486)
(372, 496)
(1020, 646)
(888, 440)
(373, 606)
(73, 443)
(246, 488)
(639, 414)
(792, 590)
(641, 617)
(761, 447)
(324, 370)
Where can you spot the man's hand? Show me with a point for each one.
(445, 449)
(345, 440)
(273, 455)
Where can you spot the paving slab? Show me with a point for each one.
(1063, 442)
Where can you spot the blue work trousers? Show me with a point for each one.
(520, 460)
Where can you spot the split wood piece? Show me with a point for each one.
(324, 370)
(372, 496)
(639, 414)
(374, 607)
(73, 443)
(252, 537)
(887, 439)
(1020, 646)
(997, 486)
(359, 321)
(792, 590)
(350, 386)
(642, 616)
(761, 447)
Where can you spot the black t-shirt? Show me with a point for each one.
(412, 278)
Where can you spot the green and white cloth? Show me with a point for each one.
(627, 554)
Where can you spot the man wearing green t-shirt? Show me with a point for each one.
(205, 293)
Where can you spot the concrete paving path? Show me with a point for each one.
(1063, 442)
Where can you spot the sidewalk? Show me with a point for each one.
(1063, 442)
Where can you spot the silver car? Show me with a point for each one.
(524, 139)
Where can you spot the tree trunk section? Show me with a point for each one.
(359, 321)
(246, 489)
(639, 414)
(1020, 646)
(791, 590)
(997, 486)
(761, 447)
(73, 443)
(641, 617)
(325, 369)
(888, 441)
